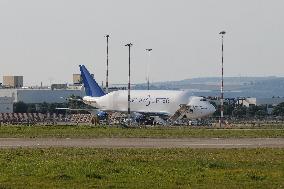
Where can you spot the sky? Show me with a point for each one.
(46, 40)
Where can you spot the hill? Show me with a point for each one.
(261, 87)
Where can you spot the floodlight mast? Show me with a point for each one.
(107, 37)
(148, 80)
(222, 33)
(129, 47)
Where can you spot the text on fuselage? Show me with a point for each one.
(148, 100)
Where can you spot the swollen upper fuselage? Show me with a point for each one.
(140, 101)
(152, 101)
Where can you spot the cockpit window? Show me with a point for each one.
(203, 99)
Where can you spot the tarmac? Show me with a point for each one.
(143, 142)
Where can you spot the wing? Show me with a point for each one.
(92, 111)
(72, 99)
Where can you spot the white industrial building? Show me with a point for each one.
(6, 104)
(260, 101)
(40, 95)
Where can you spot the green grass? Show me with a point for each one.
(141, 168)
(155, 132)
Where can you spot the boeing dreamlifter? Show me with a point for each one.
(175, 104)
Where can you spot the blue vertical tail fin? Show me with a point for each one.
(91, 86)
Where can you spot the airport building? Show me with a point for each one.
(260, 101)
(40, 95)
(13, 81)
(12, 91)
(59, 86)
(6, 104)
(77, 79)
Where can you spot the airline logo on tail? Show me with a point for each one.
(91, 86)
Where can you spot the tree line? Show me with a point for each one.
(237, 111)
(240, 111)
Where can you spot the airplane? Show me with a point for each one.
(175, 104)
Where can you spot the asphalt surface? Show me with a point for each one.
(143, 143)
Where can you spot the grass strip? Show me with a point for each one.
(141, 168)
(152, 132)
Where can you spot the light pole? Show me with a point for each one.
(107, 36)
(129, 47)
(222, 33)
(149, 54)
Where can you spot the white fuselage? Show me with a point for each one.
(152, 101)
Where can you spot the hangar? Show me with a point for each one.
(39, 95)
(6, 104)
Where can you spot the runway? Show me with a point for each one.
(143, 142)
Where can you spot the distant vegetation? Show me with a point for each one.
(141, 168)
(234, 111)
(239, 111)
(279, 109)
